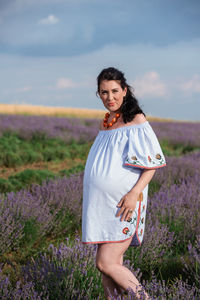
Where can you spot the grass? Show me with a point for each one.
(15, 151)
(177, 149)
(24, 162)
(27, 177)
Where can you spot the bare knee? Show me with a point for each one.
(106, 258)
(99, 266)
(106, 267)
(103, 267)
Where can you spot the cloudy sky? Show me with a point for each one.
(51, 52)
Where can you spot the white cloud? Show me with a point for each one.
(65, 83)
(50, 20)
(192, 85)
(149, 85)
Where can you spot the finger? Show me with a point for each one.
(129, 216)
(120, 202)
(120, 212)
(124, 214)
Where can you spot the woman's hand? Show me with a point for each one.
(128, 201)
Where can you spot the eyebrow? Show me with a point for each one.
(107, 90)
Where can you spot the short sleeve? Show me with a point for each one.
(143, 149)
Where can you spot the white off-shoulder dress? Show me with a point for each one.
(114, 164)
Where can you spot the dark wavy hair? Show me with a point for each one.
(130, 106)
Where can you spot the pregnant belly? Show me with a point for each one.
(116, 181)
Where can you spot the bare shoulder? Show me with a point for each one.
(139, 119)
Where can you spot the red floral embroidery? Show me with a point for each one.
(149, 158)
(143, 207)
(141, 231)
(125, 230)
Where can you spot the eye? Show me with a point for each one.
(103, 92)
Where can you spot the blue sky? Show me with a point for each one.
(51, 52)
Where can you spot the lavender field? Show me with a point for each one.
(42, 256)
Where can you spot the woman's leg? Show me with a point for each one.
(108, 262)
(109, 283)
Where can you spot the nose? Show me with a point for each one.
(110, 96)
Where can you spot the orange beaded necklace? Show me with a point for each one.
(114, 120)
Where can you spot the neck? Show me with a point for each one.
(113, 113)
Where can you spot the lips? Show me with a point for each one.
(111, 104)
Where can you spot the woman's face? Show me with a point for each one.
(111, 94)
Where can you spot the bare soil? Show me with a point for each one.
(52, 166)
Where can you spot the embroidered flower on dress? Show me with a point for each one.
(125, 230)
(149, 158)
(141, 231)
(158, 156)
(140, 198)
(134, 158)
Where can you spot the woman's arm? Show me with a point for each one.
(144, 179)
(129, 200)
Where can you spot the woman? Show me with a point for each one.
(120, 164)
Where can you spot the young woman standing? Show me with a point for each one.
(119, 167)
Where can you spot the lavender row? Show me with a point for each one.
(178, 206)
(182, 133)
(187, 134)
(68, 272)
(41, 206)
(65, 128)
(178, 169)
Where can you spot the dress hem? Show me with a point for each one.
(143, 167)
(100, 242)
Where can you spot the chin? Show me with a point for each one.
(112, 108)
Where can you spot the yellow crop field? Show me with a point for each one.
(26, 109)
